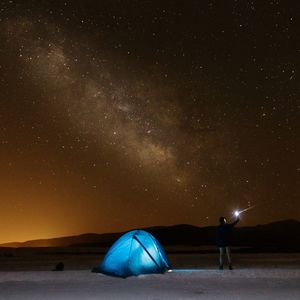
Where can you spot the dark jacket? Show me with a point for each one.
(224, 234)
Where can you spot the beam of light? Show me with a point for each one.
(186, 270)
(238, 212)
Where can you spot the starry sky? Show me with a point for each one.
(123, 114)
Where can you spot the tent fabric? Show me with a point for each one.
(134, 253)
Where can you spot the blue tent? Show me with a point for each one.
(134, 253)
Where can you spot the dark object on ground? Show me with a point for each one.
(59, 267)
(95, 270)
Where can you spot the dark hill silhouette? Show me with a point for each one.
(66, 241)
(276, 236)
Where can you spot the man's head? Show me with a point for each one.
(222, 220)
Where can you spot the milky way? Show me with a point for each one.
(122, 114)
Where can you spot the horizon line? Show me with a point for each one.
(2, 244)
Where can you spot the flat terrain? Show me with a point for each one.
(25, 274)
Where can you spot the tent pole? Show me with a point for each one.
(146, 251)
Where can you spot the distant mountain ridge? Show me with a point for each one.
(282, 234)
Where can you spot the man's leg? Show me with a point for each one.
(221, 258)
(228, 252)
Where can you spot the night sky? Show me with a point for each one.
(123, 114)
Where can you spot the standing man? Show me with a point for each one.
(223, 239)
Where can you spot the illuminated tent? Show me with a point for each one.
(134, 253)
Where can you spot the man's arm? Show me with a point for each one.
(235, 222)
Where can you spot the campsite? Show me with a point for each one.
(257, 276)
(134, 265)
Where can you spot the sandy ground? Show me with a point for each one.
(256, 276)
(206, 284)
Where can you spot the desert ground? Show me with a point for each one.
(26, 274)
